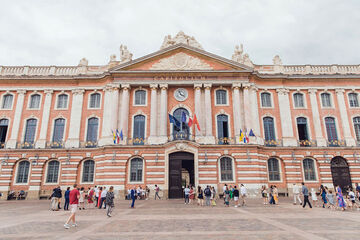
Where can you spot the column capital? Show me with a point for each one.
(236, 86)
(21, 91)
(312, 90)
(48, 91)
(207, 86)
(284, 91)
(339, 91)
(246, 85)
(154, 86)
(78, 91)
(110, 88)
(125, 86)
(197, 86)
(254, 88)
(163, 86)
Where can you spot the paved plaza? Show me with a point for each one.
(171, 219)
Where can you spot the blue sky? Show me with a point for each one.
(62, 32)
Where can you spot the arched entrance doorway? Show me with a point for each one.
(181, 173)
(340, 172)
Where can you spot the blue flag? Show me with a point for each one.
(173, 120)
(251, 133)
(183, 117)
(121, 135)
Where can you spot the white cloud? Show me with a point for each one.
(62, 32)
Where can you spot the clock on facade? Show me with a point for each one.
(180, 94)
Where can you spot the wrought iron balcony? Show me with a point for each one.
(273, 143)
(136, 141)
(225, 141)
(57, 144)
(26, 145)
(336, 143)
(307, 143)
(182, 135)
(89, 144)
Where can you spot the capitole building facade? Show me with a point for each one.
(57, 123)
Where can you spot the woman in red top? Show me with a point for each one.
(90, 196)
(191, 195)
(99, 198)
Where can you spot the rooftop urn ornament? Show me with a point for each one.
(83, 62)
(181, 37)
(237, 56)
(277, 60)
(125, 55)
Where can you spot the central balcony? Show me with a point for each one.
(273, 143)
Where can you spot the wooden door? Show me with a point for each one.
(175, 190)
(340, 173)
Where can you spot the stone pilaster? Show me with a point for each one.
(320, 140)
(163, 123)
(236, 110)
(11, 143)
(255, 116)
(350, 141)
(209, 138)
(41, 143)
(73, 140)
(286, 118)
(124, 112)
(197, 101)
(153, 115)
(110, 113)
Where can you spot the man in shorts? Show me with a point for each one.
(236, 196)
(74, 201)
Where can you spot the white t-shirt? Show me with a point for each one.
(224, 188)
(187, 191)
(103, 193)
(96, 192)
(352, 195)
(243, 190)
(296, 189)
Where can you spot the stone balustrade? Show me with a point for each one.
(50, 70)
(308, 69)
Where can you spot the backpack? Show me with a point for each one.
(207, 192)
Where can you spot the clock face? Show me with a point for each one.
(180, 94)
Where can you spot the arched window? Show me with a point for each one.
(223, 128)
(302, 128)
(353, 100)
(139, 130)
(221, 98)
(181, 130)
(23, 172)
(326, 99)
(299, 100)
(88, 171)
(30, 130)
(226, 169)
(309, 169)
(274, 169)
(62, 101)
(92, 131)
(265, 99)
(7, 101)
(35, 101)
(95, 100)
(331, 129)
(58, 130)
(140, 97)
(4, 123)
(269, 128)
(356, 121)
(52, 172)
(136, 169)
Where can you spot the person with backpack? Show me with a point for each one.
(236, 196)
(207, 193)
(157, 190)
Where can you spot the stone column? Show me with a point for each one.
(236, 110)
(350, 141)
(286, 118)
(197, 102)
(124, 112)
(320, 140)
(41, 143)
(209, 138)
(153, 115)
(255, 116)
(11, 143)
(163, 123)
(109, 119)
(73, 140)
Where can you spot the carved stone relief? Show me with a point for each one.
(181, 61)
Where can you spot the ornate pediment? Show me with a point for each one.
(181, 61)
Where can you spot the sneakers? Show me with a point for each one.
(109, 215)
(66, 226)
(74, 225)
(236, 206)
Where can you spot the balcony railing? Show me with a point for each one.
(2, 144)
(307, 143)
(273, 143)
(136, 141)
(336, 143)
(58, 144)
(25, 145)
(89, 144)
(225, 141)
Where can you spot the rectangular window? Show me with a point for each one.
(140, 97)
(221, 98)
(7, 101)
(62, 101)
(326, 100)
(353, 100)
(35, 101)
(298, 100)
(265, 100)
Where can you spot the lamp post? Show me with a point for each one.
(206, 157)
(5, 160)
(35, 162)
(68, 159)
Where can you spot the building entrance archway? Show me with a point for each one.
(340, 172)
(181, 173)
